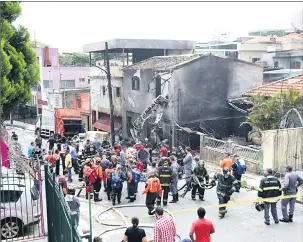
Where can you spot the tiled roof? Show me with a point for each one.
(271, 89)
(165, 63)
(162, 62)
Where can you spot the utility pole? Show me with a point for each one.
(110, 95)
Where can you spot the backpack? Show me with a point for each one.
(92, 178)
(116, 181)
(241, 167)
(136, 175)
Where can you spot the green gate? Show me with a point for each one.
(61, 226)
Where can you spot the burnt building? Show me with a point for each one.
(198, 88)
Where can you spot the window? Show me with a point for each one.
(103, 91)
(67, 84)
(81, 79)
(135, 83)
(276, 64)
(254, 60)
(48, 84)
(10, 196)
(295, 65)
(118, 91)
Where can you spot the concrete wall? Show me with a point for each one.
(201, 90)
(281, 147)
(67, 73)
(243, 77)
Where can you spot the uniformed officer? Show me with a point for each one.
(270, 189)
(201, 174)
(165, 176)
(227, 185)
(152, 190)
(174, 185)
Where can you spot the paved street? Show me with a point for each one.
(242, 222)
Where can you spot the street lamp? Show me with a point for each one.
(110, 92)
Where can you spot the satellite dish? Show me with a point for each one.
(297, 20)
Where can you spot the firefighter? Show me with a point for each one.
(227, 185)
(201, 174)
(87, 172)
(174, 185)
(109, 172)
(165, 175)
(99, 176)
(152, 190)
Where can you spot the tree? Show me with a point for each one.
(266, 112)
(19, 67)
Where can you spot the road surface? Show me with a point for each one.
(242, 222)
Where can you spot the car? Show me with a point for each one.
(19, 206)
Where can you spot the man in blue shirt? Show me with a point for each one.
(73, 153)
(30, 150)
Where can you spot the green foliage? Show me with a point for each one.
(82, 59)
(19, 67)
(267, 112)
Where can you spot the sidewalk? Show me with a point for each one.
(19, 124)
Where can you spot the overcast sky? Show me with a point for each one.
(70, 25)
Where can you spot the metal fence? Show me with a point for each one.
(61, 225)
(248, 153)
(21, 197)
(215, 144)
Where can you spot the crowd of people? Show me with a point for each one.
(99, 164)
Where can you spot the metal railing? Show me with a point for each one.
(61, 225)
(215, 144)
(248, 153)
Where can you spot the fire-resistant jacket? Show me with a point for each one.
(270, 187)
(165, 174)
(226, 186)
(98, 169)
(201, 174)
(87, 170)
(153, 185)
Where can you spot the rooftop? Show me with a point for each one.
(271, 89)
(119, 44)
(164, 63)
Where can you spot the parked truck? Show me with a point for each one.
(63, 121)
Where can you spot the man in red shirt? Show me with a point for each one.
(202, 228)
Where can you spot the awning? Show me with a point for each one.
(103, 124)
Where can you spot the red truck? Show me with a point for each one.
(64, 121)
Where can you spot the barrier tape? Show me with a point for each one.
(243, 202)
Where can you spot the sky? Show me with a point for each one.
(70, 25)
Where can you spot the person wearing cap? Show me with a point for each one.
(238, 168)
(152, 190)
(269, 190)
(291, 183)
(165, 176)
(73, 203)
(226, 162)
(187, 161)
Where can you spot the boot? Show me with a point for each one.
(284, 220)
(164, 204)
(108, 197)
(193, 198)
(290, 218)
(177, 197)
(96, 197)
(201, 198)
(119, 199)
(86, 196)
(174, 199)
(114, 201)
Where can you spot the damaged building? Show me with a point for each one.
(197, 87)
